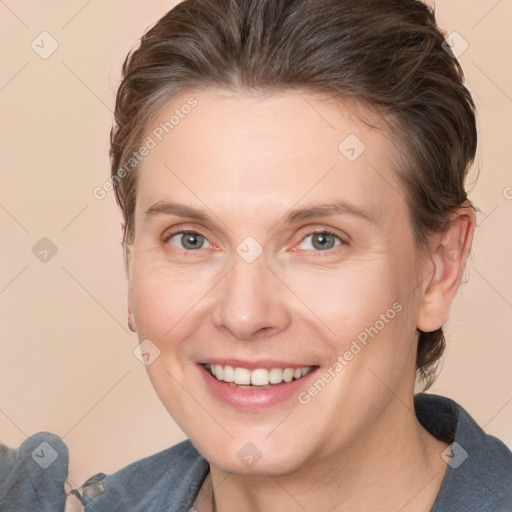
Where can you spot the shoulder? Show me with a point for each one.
(167, 480)
(479, 473)
(32, 477)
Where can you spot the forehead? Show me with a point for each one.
(258, 153)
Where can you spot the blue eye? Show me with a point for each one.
(322, 240)
(188, 240)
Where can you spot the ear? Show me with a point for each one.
(127, 255)
(447, 259)
(131, 317)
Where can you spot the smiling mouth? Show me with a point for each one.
(259, 378)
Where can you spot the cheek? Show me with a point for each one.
(166, 306)
(364, 316)
(347, 300)
(165, 299)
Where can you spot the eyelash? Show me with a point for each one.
(168, 237)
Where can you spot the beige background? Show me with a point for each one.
(66, 361)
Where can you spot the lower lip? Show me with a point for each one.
(253, 399)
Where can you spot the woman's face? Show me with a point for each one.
(272, 275)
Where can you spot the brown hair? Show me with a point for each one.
(388, 53)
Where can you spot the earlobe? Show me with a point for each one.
(131, 322)
(446, 263)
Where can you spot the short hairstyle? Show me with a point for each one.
(388, 54)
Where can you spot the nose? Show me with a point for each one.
(251, 302)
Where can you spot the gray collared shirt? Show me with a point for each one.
(478, 477)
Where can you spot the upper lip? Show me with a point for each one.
(253, 365)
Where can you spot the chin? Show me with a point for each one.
(254, 455)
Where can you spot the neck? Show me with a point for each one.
(394, 465)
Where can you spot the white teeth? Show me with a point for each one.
(288, 374)
(229, 374)
(275, 376)
(258, 377)
(218, 371)
(242, 376)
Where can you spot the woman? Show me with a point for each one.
(291, 175)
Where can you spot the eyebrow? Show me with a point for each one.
(334, 208)
(338, 207)
(179, 209)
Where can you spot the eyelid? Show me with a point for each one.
(176, 230)
(170, 234)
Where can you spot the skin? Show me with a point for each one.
(247, 161)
